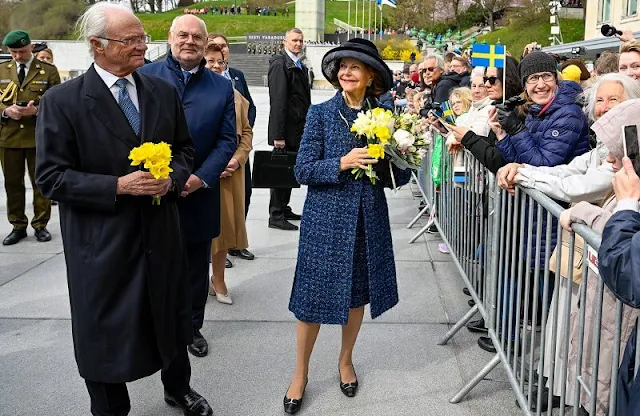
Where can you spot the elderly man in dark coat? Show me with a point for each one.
(126, 268)
(290, 99)
(211, 117)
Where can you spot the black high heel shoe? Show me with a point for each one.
(348, 389)
(292, 406)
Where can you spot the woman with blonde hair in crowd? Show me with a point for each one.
(233, 233)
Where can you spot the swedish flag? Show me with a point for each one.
(447, 113)
(488, 55)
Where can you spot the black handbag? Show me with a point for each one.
(274, 169)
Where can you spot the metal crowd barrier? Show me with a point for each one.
(537, 320)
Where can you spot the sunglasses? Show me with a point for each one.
(491, 80)
(430, 69)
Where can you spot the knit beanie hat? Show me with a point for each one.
(536, 62)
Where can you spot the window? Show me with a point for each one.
(604, 12)
(632, 8)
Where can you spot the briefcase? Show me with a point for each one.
(274, 169)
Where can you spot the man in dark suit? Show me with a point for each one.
(236, 77)
(210, 111)
(290, 99)
(126, 266)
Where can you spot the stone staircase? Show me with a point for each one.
(255, 67)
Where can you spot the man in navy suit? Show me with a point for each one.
(239, 83)
(210, 111)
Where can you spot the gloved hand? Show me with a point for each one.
(508, 117)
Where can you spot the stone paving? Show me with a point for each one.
(401, 368)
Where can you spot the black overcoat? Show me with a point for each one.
(289, 98)
(129, 293)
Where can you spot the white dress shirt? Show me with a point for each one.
(110, 80)
(292, 56)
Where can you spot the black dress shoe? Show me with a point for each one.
(292, 216)
(471, 303)
(486, 344)
(282, 224)
(292, 406)
(466, 291)
(555, 400)
(477, 326)
(200, 347)
(14, 237)
(192, 404)
(43, 235)
(243, 254)
(348, 389)
(227, 263)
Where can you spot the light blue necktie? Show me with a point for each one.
(125, 103)
(187, 76)
(299, 64)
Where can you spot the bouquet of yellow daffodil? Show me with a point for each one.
(376, 126)
(156, 158)
(403, 138)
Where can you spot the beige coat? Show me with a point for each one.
(233, 232)
(596, 218)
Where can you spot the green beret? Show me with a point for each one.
(16, 39)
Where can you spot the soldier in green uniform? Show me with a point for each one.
(23, 80)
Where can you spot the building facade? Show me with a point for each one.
(623, 14)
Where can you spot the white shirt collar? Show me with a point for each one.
(193, 71)
(291, 55)
(111, 79)
(27, 65)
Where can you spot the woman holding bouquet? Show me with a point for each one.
(345, 255)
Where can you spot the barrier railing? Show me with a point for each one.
(558, 333)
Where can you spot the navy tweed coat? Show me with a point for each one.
(322, 285)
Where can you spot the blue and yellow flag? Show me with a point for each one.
(488, 55)
(447, 113)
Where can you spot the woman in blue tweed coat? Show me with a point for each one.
(345, 255)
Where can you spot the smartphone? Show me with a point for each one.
(630, 145)
(22, 103)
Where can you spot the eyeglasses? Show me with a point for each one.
(184, 36)
(429, 69)
(546, 77)
(219, 62)
(491, 80)
(136, 40)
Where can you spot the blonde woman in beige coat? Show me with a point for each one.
(608, 129)
(233, 232)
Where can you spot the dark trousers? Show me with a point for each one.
(109, 399)
(247, 187)
(13, 161)
(279, 203)
(198, 256)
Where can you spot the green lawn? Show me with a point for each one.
(157, 25)
(519, 33)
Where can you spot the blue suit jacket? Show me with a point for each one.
(210, 111)
(240, 83)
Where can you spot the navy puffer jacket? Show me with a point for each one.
(552, 136)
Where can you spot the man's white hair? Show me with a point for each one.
(177, 19)
(94, 22)
(439, 60)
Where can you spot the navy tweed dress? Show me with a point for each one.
(345, 253)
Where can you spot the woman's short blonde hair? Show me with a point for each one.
(464, 95)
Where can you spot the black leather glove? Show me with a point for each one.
(508, 117)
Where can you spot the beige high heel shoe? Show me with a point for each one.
(224, 299)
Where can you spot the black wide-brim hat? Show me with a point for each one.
(362, 50)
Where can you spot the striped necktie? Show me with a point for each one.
(128, 108)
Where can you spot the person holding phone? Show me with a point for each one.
(618, 276)
(23, 80)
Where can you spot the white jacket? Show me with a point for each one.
(586, 178)
(477, 118)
